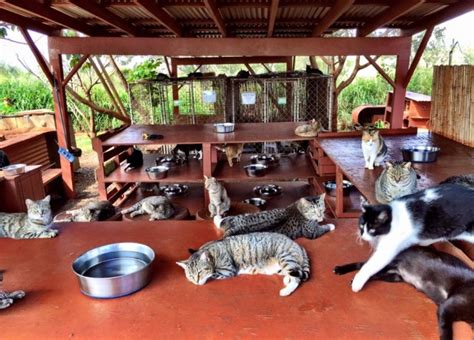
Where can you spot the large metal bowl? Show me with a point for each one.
(157, 172)
(224, 127)
(420, 154)
(330, 187)
(256, 170)
(114, 270)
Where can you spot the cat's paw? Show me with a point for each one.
(366, 165)
(5, 303)
(18, 294)
(338, 270)
(50, 233)
(285, 291)
(331, 226)
(358, 283)
(371, 167)
(217, 221)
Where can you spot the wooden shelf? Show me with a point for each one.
(291, 168)
(190, 172)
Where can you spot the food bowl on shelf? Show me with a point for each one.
(256, 170)
(169, 161)
(265, 159)
(14, 169)
(330, 187)
(420, 154)
(224, 127)
(256, 201)
(114, 270)
(157, 172)
(268, 190)
(174, 190)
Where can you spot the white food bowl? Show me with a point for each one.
(14, 169)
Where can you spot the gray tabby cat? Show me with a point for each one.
(219, 202)
(34, 224)
(93, 211)
(300, 219)
(256, 253)
(396, 180)
(6, 298)
(158, 207)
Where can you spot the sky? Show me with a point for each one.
(460, 29)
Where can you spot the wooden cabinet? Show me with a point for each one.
(15, 190)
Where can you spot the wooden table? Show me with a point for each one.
(453, 159)
(171, 307)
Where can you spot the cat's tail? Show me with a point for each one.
(305, 269)
(130, 209)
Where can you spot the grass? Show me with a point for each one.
(83, 142)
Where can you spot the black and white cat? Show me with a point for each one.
(445, 279)
(134, 160)
(444, 212)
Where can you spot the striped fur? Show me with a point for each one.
(300, 219)
(396, 180)
(256, 253)
(219, 201)
(158, 207)
(373, 148)
(34, 224)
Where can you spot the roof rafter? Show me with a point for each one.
(161, 15)
(22, 21)
(272, 16)
(331, 16)
(211, 6)
(46, 12)
(390, 14)
(106, 16)
(443, 15)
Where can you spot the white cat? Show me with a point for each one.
(373, 148)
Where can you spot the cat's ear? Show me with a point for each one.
(182, 264)
(383, 216)
(206, 178)
(192, 251)
(363, 204)
(28, 202)
(205, 256)
(389, 164)
(47, 199)
(303, 202)
(407, 165)
(322, 196)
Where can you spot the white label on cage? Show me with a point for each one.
(209, 97)
(249, 98)
(281, 100)
(176, 102)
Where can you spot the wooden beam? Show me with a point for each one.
(211, 6)
(441, 16)
(390, 14)
(272, 17)
(22, 21)
(418, 55)
(38, 56)
(76, 68)
(46, 12)
(399, 91)
(230, 46)
(160, 15)
(227, 60)
(106, 16)
(380, 70)
(339, 7)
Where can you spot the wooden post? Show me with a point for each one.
(174, 74)
(62, 122)
(399, 91)
(339, 192)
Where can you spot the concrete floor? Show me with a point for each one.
(171, 307)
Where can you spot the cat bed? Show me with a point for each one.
(181, 213)
(236, 208)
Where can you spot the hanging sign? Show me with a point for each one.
(249, 98)
(209, 97)
(281, 100)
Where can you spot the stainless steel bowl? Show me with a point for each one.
(256, 201)
(330, 187)
(265, 159)
(256, 170)
(14, 169)
(420, 154)
(114, 270)
(224, 127)
(173, 190)
(157, 172)
(268, 190)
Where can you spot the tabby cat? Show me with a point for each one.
(300, 219)
(219, 202)
(396, 180)
(466, 180)
(93, 211)
(158, 207)
(436, 214)
(135, 160)
(232, 151)
(373, 148)
(311, 129)
(256, 253)
(6, 298)
(33, 224)
(445, 279)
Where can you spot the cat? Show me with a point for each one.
(439, 213)
(373, 148)
(467, 180)
(93, 211)
(445, 279)
(134, 160)
(219, 202)
(6, 298)
(158, 207)
(232, 151)
(300, 219)
(3, 159)
(187, 149)
(292, 147)
(256, 253)
(396, 180)
(310, 129)
(35, 223)
(315, 70)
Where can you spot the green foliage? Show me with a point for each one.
(145, 70)
(422, 80)
(83, 142)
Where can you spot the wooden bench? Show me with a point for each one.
(36, 148)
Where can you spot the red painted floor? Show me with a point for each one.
(171, 307)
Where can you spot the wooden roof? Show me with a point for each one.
(228, 18)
